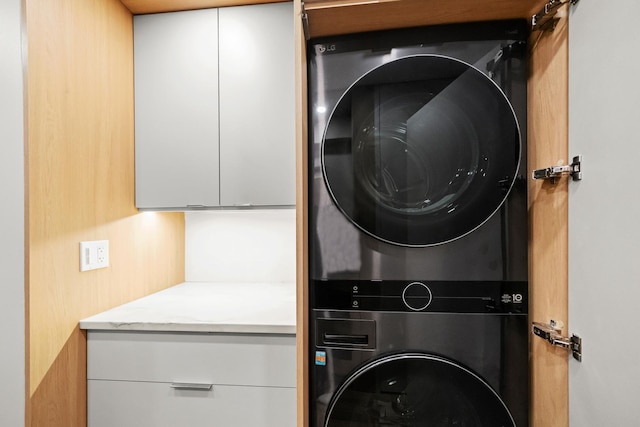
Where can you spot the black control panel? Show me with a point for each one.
(420, 296)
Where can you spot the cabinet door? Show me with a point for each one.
(257, 114)
(145, 404)
(604, 231)
(176, 108)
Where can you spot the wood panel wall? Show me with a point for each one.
(302, 221)
(80, 173)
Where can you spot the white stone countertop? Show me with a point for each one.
(266, 308)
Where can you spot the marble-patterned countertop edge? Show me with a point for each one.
(189, 327)
(258, 308)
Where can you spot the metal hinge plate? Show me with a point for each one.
(554, 172)
(545, 19)
(551, 332)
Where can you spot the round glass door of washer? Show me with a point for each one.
(415, 389)
(421, 150)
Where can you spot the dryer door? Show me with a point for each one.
(415, 389)
(421, 150)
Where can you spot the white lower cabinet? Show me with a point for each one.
(181, 379)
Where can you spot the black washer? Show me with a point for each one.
(416, 389)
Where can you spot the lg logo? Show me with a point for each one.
(326, 48)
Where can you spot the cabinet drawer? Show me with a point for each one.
(251, 359)
(132, 404)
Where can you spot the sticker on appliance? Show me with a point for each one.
(321, 358)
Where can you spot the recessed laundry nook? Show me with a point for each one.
(318, 213)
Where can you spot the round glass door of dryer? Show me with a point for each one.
(415, 389)
(421, 150)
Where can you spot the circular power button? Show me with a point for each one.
(416, 296)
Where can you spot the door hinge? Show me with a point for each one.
(545, 19)
(552, 333)
(554, 172)
(305, 21)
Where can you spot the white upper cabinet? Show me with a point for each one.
(257, 105)
(176, 109)
(215, 108)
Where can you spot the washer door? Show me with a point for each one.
(421, 150)
(415, 389)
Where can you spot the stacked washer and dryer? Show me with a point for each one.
(418, 227)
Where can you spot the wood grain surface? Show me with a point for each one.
(80, 162)
(302, 224)
(330, 17)
(548, 222)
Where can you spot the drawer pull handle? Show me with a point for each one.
(191, 386)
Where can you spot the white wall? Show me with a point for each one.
(12, 355)
(240, 246)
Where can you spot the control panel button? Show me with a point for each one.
(416, 296)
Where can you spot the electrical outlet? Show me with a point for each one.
(94, 254)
